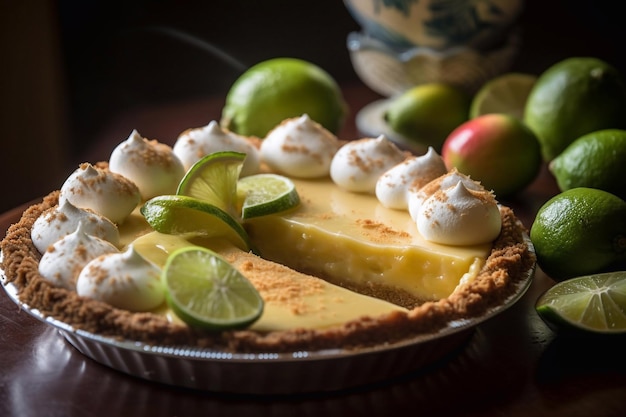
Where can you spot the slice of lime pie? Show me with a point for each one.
(380, 245)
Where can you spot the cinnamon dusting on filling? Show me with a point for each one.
(380, 232)
(270, 279)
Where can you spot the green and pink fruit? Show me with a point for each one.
(496, 149)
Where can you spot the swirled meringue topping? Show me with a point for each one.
(151, 165)
(62, 262)
(416, 171)
(124, 280)
(63, 219)
(459, 216)
(300, 147)
(357, 165)
(107, 193)
(416, 196)
(193, 144)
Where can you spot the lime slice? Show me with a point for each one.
(182, 215)
(504, 94)
(206, 291)
(592, 303)
(213, 179)
(265, 194)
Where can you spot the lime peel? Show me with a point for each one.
(277, 89)
(205, 291)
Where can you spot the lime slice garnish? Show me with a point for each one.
(592, 303)
(206, 291)
(182, 215)
(504, 94)
(213, 179)
(265, 194)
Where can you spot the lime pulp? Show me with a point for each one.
(265, 194)
(592, 303)
(213, 179)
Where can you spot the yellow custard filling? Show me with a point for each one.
(292, 300)
(351, 238)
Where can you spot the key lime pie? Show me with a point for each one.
(374, 246)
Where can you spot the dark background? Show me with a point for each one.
(69, 67)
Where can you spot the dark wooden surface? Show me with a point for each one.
(513, 365)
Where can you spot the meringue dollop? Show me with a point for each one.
(300, 147)
(194, 144)
(459, 216)
(63, 261)
(124, 280)
(107, 193)
(414, 172)
(357, 165)
(417, 195)
(64, 218)
(151, 165)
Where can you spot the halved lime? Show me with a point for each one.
(182, 215)
(504, 94)
(206, 291)
(265, 194)
(592, 303)
(213, 179)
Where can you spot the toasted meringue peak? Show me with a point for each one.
(62, 262)
(151, 165)
(124, 280)
(459, 216)
(300, 147)
(416, 196)
(357, 165)
(194, 144)
(63, 219)
(416, 171)
(107, 193)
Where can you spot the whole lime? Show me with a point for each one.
(280, 88)
(496, 149)
(573, 97)
(594, 160)
(578, 232)
(427, 113)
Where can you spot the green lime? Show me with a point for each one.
(574, 97)
(595, 160)
(427, 113)
(265, 194)
(579, 232)
(506, 94)
(593, 303)
(213, 179)
(206, 291)
(182, 215)
(280, 88)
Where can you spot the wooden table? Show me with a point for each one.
(513, 365)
